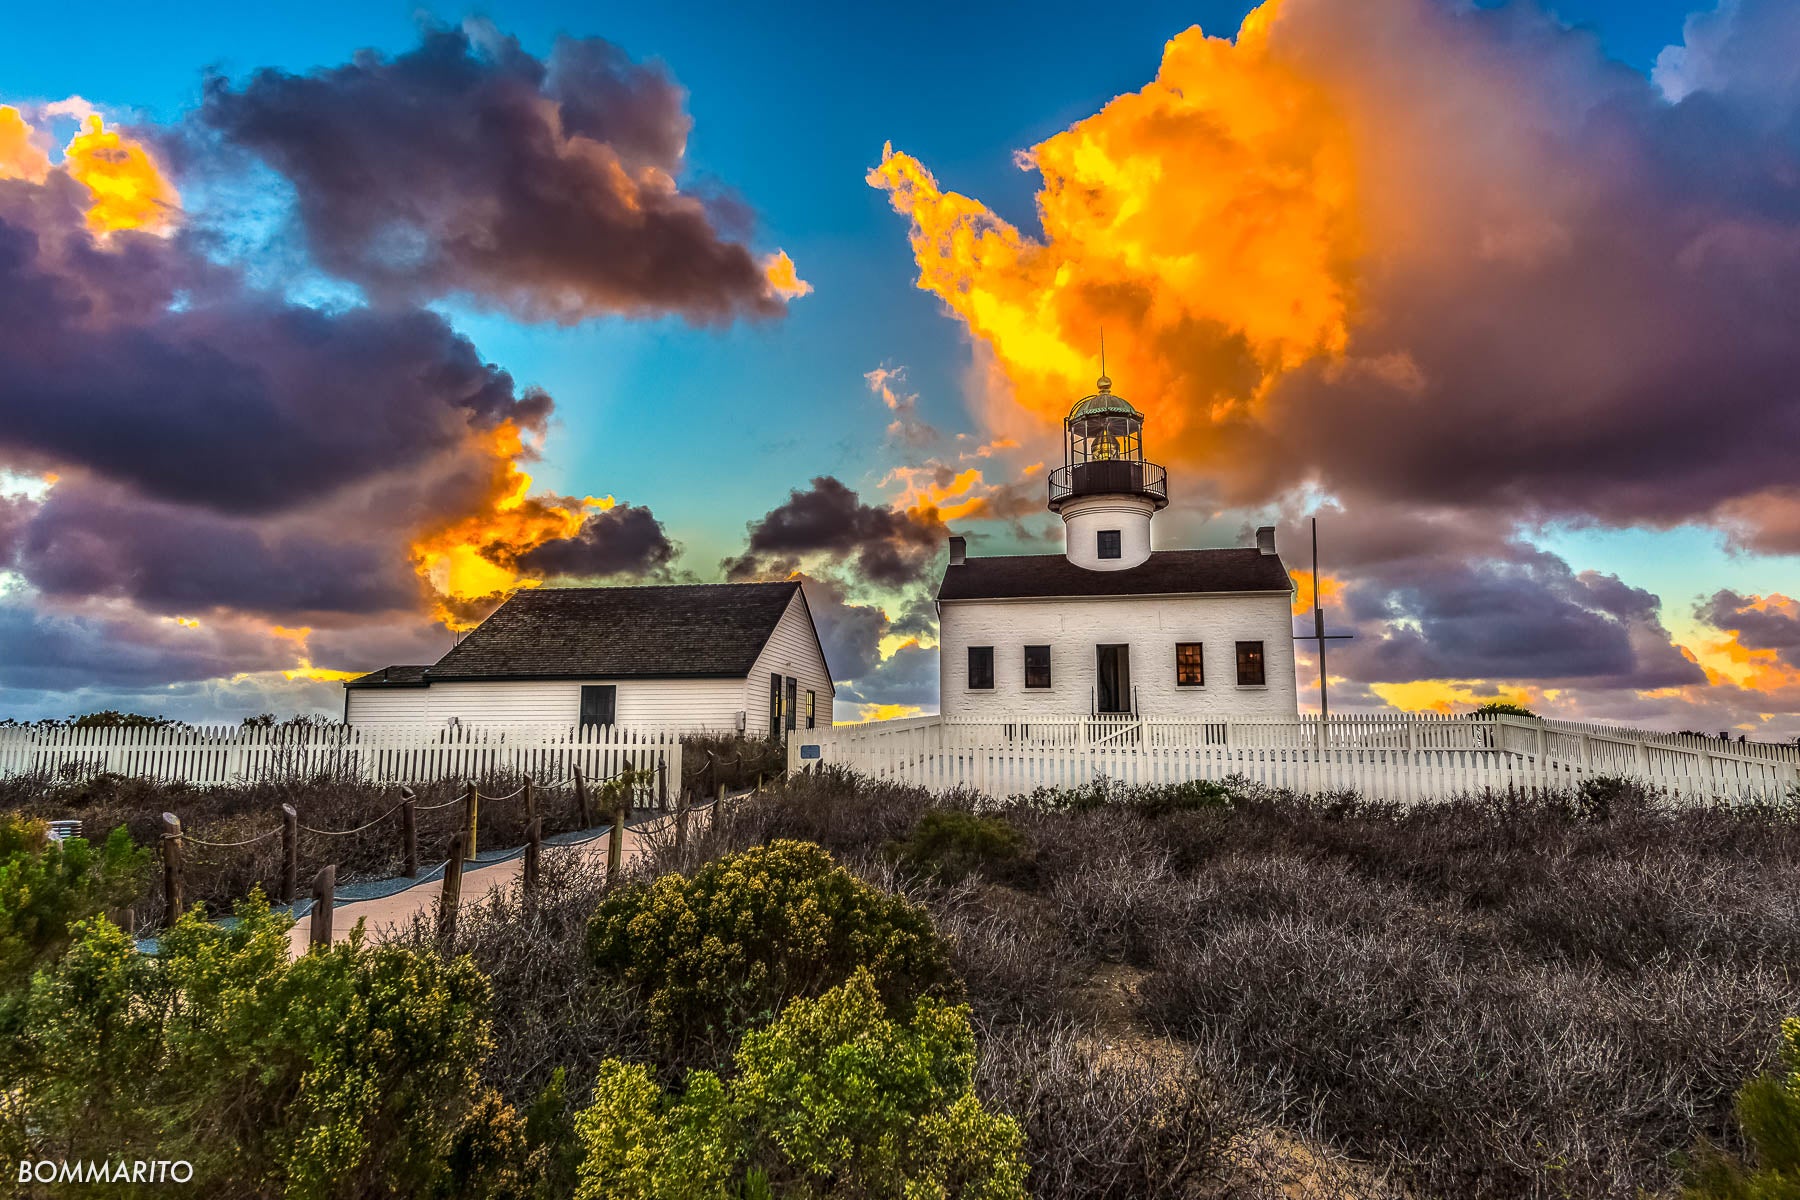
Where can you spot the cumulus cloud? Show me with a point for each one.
(624, 539)
(1484, 267)
(885, 546)
(469, 167)
(206, 454)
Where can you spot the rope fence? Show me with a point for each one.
(618, 792)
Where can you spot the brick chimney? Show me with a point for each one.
(959, 551)
(1265, 539)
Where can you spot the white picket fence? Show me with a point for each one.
(385, 754)
(1397, 757)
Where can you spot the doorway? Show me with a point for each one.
(1112, 679)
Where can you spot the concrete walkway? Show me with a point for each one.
(382, 915)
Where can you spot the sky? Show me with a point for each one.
(324, 327)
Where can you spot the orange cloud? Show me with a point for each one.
(1451, 696)
(1330, 588)
(469, 561)
(129, 189)
(1212, 214)
(784, 278)
(20, 155)
(951, 495)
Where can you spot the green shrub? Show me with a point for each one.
(47, 887)
(1768, 1110)
(715, 953)
(351, 1072)
(835, 1099)
(949, 844)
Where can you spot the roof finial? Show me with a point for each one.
(1105, 383)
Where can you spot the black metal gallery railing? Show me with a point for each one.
(1110, 476)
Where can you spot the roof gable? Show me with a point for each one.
(706, 630)
(1165, 573)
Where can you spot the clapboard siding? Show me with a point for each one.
(1150, 625)
(792, 651)
(659, 703)
(386, 706)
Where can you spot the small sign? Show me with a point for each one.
(809, 752)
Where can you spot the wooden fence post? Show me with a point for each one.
(662, 785)
(615, 842)
(171, 856)
(324, 894)
(290, 853)
(534, 848)
(681, 822)
(530, 800)
(581, 801)
(473, 799)
(450, 899)
(409, 831)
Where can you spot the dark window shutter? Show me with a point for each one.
(793, 701)
(775, 705)
(598, 702)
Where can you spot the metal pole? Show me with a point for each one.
(1319, 625)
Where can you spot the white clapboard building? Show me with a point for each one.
(1112, 626)
(715, 656)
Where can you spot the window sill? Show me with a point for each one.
(1191, 687)
(1252, 687)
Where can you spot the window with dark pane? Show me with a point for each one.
(1037, 666)
(1109, 544)
(1250, 663)
(598, 701)
(792, 708)
(811, 708)
(1190, 664)
(981, 667)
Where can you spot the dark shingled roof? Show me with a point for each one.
(1167, 572)
(413, 676)
(689, 631)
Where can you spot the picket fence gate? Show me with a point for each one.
(380, 754)
(1395, 757)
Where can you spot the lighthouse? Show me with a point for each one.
(1111, 628)
(1105, 492)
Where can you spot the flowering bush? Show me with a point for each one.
(835, 1099)
(714, 954)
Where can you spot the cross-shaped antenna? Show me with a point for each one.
(1318, 634)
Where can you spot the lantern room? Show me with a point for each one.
(1103, 453)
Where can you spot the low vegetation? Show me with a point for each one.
(849, 988)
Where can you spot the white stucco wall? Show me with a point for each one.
(1084, 518)
(1150, 625)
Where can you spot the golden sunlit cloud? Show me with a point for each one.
(1330, 588)
(784, 278)
(1726, 660)
(130, 191)
(886, 712)
(186, 622)
(961, 495)
(467, 562)
(1212, 214)
(20, 155)
(1452, 696)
